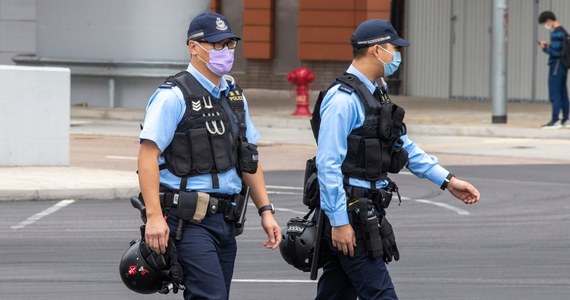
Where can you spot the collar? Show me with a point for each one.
(371, 86)
(207, 84)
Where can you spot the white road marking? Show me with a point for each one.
(121, 157)
(280, 187)
(50, 210)
(274, 281)
(442, 205)
(458, 210)
(283, 193)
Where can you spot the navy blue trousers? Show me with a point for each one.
(558, 91)
(346, 278)
(207, 252)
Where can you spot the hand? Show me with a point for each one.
(463, 191)
(388, 241)
(343, 239)
(272, 229)
(542, 44)
(156, 234)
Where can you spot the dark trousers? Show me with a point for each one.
(207, 253)
(346, 277)
(558, 91)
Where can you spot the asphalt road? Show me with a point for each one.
(512, 245)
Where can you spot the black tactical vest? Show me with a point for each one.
(375, 149)
(210, 138)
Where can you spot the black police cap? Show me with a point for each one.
(211, 27)
(376, 31)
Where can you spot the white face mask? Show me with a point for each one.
(548, 27)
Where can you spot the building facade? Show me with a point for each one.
(119, 51)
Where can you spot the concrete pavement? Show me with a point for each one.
(463, 127)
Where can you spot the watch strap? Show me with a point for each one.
(446, 181)
(266, 207)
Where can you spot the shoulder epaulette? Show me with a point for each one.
(167, 85)
(346, 88)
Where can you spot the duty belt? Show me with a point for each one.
(380, 196)
(219, 203)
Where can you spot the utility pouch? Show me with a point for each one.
(386, 198)
(370, 227)
(186, 209)
(248, 157)
(201, 157)
(231, 212)
(385, 121)
(222, 155)
(399, 157)
(372, 159)
(202, 207)
(352, 156)
(311, 190)
(187, 202)
(180, 155)
(398, 127)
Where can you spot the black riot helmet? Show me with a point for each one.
(298, 243)
(142, 270)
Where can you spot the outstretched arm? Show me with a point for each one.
(256, 182)
(463, 191)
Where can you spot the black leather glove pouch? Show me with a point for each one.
(389, 246)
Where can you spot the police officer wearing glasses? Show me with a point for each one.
(362, 138)
(197, 158)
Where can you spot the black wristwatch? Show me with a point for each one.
(446, 181)
(266, 207)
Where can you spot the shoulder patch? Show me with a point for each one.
(167, 85)
(235, 95)
(345, 88)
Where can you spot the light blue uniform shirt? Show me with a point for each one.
(341, 113)
(163, 113)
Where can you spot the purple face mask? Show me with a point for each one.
(221, 61)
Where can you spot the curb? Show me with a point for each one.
(111, 193)
(489, 131)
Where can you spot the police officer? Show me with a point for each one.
(362, 138)
(198, 137)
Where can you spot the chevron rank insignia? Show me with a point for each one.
(196, 105)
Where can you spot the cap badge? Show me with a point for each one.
(221, 25)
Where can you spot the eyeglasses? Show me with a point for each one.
(231, 44)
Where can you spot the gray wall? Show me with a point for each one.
(450, 55)
(17, 28)
(118, 51)
(115, 30)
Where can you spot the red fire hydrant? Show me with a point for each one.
(301, 77)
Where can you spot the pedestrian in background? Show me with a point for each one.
(557, 73)
(362, 138)
(198, 145)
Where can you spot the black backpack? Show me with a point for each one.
(565, 54)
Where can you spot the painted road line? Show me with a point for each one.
(121, 157)
(458, 210)
(50, 210)
(281, 187)
(274, 281)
